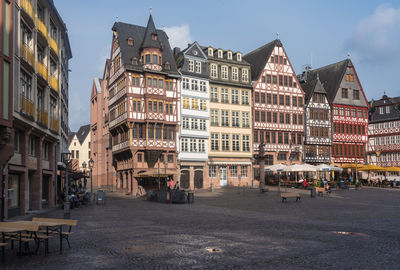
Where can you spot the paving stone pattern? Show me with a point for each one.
(247, 230)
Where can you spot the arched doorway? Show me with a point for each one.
(185, 179)
(198, 179)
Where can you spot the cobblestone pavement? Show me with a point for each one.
(246, 230)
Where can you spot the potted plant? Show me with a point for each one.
(358, 185)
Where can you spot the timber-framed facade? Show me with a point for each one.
(143, 106)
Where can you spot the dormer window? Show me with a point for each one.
(134, 61)
(167, 66)
(130, 41)
(154, 37)
(239, 57)
(229, 55)
(219, 53)
(210, 52)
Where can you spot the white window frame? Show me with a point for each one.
(220, 53)
(213, 71)
(224, 72)
(198, 67)
(229, 55)
(245, 75)
(210, 52)
(235, 74)
(239, 57)
(191, 66)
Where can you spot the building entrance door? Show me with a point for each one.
(223, 177)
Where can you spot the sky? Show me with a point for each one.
(312, 31)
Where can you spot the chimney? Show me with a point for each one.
(176, 51)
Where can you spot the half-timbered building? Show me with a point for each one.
(384, 132)
(194, 115)
(317, 123)
(143, 105)
(230, 154)
(278, 106)
(350, 109)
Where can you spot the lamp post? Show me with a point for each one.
(66, 156)
(91, 163)
(165, 170)
(84, 172)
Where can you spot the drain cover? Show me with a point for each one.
(214, 250)
(350, 233)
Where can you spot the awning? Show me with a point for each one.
(371, 168)
(229, 163)
(158, 173)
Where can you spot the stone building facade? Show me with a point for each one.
(384, 132)
(230, 151)
(41, 53)
(101, 153)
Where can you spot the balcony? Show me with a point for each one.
(53, 45)
(26, 53)
(42, 70)
(54, 124)
(54, 82)
(26, 106)
(41, 27)
(26, 5)
(42, 117)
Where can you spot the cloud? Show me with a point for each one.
(179, 36)
(377, 37)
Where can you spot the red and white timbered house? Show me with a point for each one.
(143, 105)
(350, 111)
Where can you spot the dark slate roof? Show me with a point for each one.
(148, 41)
(259, 57)
(137, 33)
(82, 133)
(331, 76)
(394, 110)
(70, 137)
(312, 86)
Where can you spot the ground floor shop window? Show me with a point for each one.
(243, 171)
(233, 171)
(13, 191)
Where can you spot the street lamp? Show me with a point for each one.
(66, 156)
(91, 163)
(84, 173)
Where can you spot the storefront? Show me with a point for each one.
(13, 195)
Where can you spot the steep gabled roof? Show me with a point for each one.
(312, 86)
(82, 133)
(331, 76)
(259, 57)
(137, 33)
(151, 30)
(71, 136)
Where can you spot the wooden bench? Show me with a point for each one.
(25, 238)
(64, 235)
(284, 196)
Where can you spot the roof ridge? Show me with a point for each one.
(260, 48)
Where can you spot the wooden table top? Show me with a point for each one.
(43, 223)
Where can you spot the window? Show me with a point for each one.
(214, 94)
(345, 93)
(281, 100)
(72, 154)
(203, 124)
(256, 97)
(275, 117)
(285, 80)
(269, 78)
(214, 118)
(185, 123)
(210, 52)
(203, 86)
(224, 72)
(274, 79)
(203, 105)
(294, 119)
(214, 141)
(233, 171)
(198, 67)
(193, 124)
(224, 95)
(225, 118)
(212, 171)
(280, 80)
(353, 112)
(170, 158)
(288, 118)
(147, 59)
(262, 98)
(235, 119)
(287, 101)
(26, 86)
(300, 119)
(269, 117)
(235, 96)
(245, 97)
(245, 120)
(245, 143)
(195, 104)
(155, 59)
(16, 141)
(281, 156)
(186, 103)
(300, 101)
(202, 146)
(387, 109)
(275, 99)
(191, 66)
(268, 98)
(32, 145)
(225, 142)
(213, 71)
(235, 73)
(243, 171)
(235, 142)
(77, 154)
(193, 145)
(229, 55)
(280, 138)
(245, 75)
(239, 57)
(220, 53)
(294, 101)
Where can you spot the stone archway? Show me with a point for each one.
(198, 179)
(185, 179)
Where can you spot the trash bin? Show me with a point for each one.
(190, 197)
(101, 196)
(313, 193)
